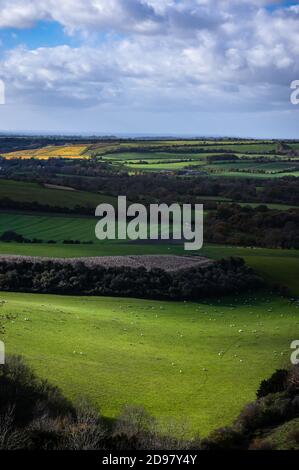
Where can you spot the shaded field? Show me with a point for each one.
(275, 266)
(182, 361)
(282, 271)
(49, 227)
(57, 227)
(33, 192)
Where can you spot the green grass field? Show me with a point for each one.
(247, 166)
(49, 227)
(196, 364)
(153, 156)
(33, 192)
(158, 166)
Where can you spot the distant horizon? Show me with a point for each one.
(149, 136)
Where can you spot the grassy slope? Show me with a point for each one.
(33, 192)
(129, 346)
(49, 227)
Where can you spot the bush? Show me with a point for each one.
(11, 438)
(271, 410)
(228, 438)
(293, 381)
(29, 396)
(294, 436)
(261, 444)
(276, 383)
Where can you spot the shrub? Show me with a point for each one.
(294, 436)
(293, 381)
(276, 383)
(228, 438)
(267, 411)
(11, 438)
(30, 396)
(261, 444)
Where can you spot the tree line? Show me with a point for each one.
(248, 226)
(227, 276)
(101, 177)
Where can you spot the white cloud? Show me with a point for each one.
(192, 54)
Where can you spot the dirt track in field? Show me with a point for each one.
(166, 262)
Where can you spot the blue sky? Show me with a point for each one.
(188, 67)
(42, 34)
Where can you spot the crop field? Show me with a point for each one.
(160, 166)
(239, 147)
(63, 151)
(178, 155)
(33, 192)
(241, 170)
(183, 362)
(154, 157)
(248, 164)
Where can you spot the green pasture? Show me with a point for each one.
(33, 192)
(192, 365)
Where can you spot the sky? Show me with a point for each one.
(150, 67)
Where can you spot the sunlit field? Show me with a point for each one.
(182, 361)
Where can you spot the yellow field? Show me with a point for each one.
(64, 151)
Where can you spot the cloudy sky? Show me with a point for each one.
(197, 67)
